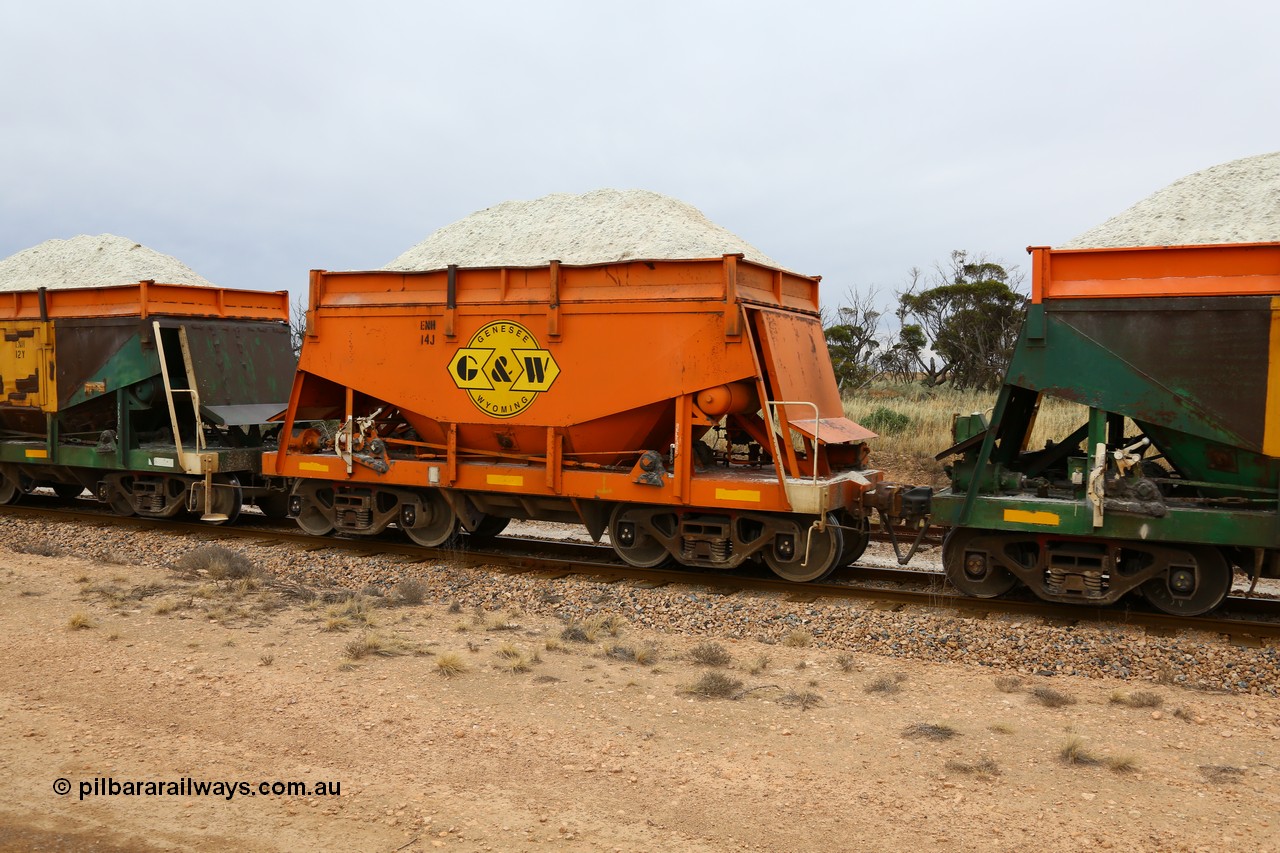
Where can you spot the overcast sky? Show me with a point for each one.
(255, 141)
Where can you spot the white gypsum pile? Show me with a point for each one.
(1234, 202)
(92, 261)
(603, 226)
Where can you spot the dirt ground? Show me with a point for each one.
(117, 672)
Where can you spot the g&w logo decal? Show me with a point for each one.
(503, 369)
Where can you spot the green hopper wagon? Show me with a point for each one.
(157, 398)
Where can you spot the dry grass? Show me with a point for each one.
(575, 633)
(645, 655)
(929, 731)
(410, 591)
(80, 621)
(886, 684)
(1008, 683)
(1074, 752)
(1221, 773)
(368, 644)
(450, 664)
(496, 621)
(217, 563)
(1140, 699)
(336, 623)
(760, 665)
(601, 625)
(982, 767)
(710, 654)
(1051, 698)
(40, 548)
(847, 662)
(1001, 728)
(165, 606)
(716, 685)
(930, 411)
(512, 659)
(1122, 763)
(798, 638)
(802, 699)
(356, 610)
(593, 629)
(266, 660)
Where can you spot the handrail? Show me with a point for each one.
(775, 426)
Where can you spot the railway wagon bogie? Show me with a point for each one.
(1169, 483)
(685, 409)
(155, 398)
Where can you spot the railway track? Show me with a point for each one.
(1245, 621)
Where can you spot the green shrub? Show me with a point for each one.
(886, 421)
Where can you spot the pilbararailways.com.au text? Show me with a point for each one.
(188, 787)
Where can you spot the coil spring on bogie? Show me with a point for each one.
(355, 519)
(1055, 579)
(719, 549)
(149, 503)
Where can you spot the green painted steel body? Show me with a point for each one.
(109, 378)
(1191, 374)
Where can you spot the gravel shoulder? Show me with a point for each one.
(845, 732)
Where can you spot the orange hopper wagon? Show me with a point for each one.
(688, 408)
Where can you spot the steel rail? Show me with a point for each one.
(1242, 620)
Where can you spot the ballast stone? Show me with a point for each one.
(92, 261)
(1233, 202)
(599, 227)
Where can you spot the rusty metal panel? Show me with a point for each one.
(1210, 356)
(833, 430)
(798, 363)
(98, 356)
(239, 362)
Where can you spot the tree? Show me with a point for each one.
(969, 317)
(853, 343)
(903, 359)
(297, 325)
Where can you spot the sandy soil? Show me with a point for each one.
(582, 751)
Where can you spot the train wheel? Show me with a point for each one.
(786, 557)
(438, 524)
(313, 522)
(632, 544)
(855, 540)
(967, 561)
(1194, 587)
(489, 528)
(10, 490)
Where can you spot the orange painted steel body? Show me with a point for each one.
(611, 357)
(145, 299)
(1233, 269)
